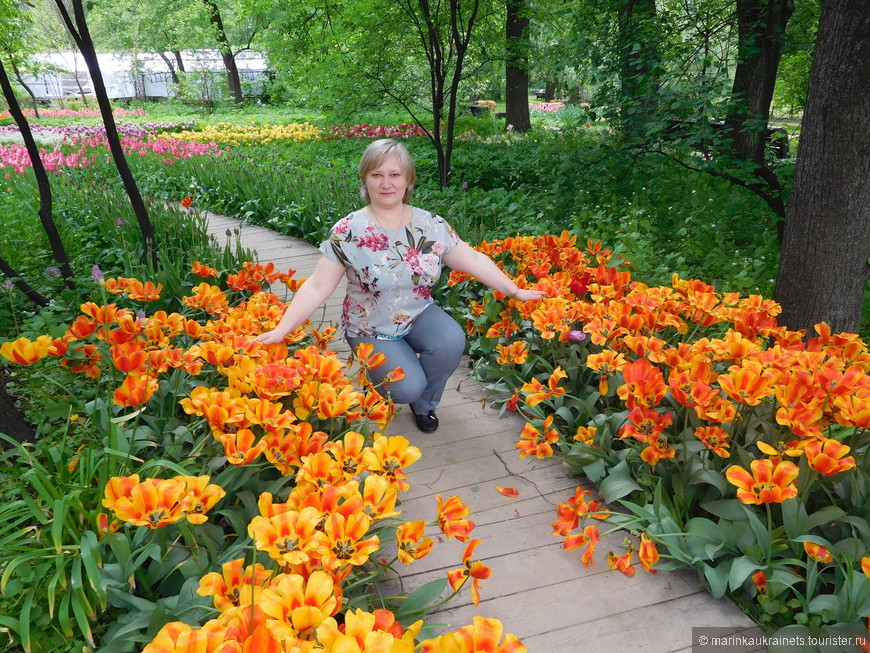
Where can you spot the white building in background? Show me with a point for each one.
(145, 77)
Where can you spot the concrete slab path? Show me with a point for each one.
(540, 592)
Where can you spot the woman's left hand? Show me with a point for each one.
(526, 295)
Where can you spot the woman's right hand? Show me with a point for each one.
(272, 337)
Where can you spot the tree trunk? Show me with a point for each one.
(823, 268)
(179, 62)
(24, 85)
(229, 59)
(42, 182)
(761, 40)
(517, 66)
(22, 285)
(169, 65)
(445, 57)
(79, 31)
(639, 61)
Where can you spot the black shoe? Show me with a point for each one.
(427, 423)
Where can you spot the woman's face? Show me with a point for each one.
(386, 184)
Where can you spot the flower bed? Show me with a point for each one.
(249, 493)
(734, 445)
(76, 113)
(88, 148)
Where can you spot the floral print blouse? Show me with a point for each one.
(390, 273)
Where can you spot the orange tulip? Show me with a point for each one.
(451, 518)
(516, 353)
(286, 536)
(586, 435)
(364, 631)
(235, 585)
(154, 503)
(341, 542)
(202, 270)
(759, 579)
(473, 569)
(588, 538)
(607, 363)
(647, 553)
(136, 390)
(766, 484)
(537, 443)
(828, 457)
(389, 456)
(201, 497)
(25, 352)
(818, 552)
(621, 563)
(749, 384)
(298, 604)
(380, 497)
(537, 392)
(715, 439)
(482, 635)
(411, 544)
(118, 486)
(570, 513)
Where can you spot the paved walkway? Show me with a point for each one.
(540, 592)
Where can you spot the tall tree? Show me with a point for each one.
(12, 22)
(78, 29)
(229, 58)
(639, 61)
(761, 28)
(164, 27)
(823, 268)
(411, 53)
(42, 182)
(445, 32)
(17, 43)
(517, 48)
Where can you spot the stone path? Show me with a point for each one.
(540, 592)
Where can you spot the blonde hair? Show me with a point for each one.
(375, 155)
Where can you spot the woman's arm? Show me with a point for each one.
(465, 259)
(316, 289)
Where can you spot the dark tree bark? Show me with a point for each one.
(226, 51)
(761, 40)
(42, 182)
(78, 29)
(445, 56)
(179, 62)
(169, 65)
(22, 285)
(823, 268)
(517, 66)
(24, 85)
(639, 59)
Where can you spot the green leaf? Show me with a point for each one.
(741, 569)
(762, 536)
(824, 515)
(90, 552)
(61, 508)
(730, 509)
(717, 578)
(412, 607)
(24, 621)
(618, 483)
(84, 614)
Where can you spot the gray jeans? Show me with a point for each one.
(428, 354)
